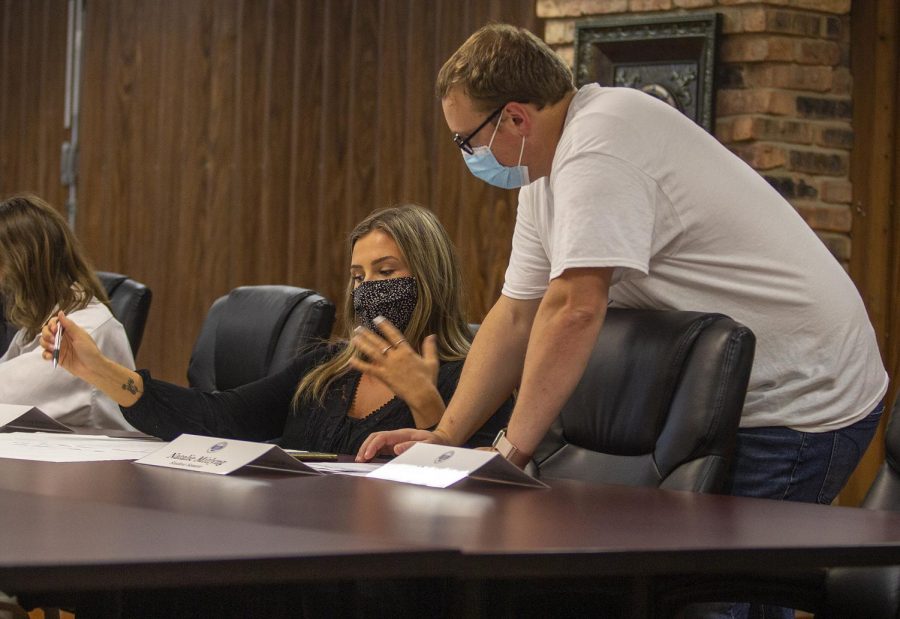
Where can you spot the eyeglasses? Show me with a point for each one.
(463, 142)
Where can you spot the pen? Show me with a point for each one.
(311, 456)
(56, 343)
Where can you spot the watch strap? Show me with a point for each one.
(509, 451)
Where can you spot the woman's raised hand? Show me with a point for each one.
(410, 375)
(78, 353)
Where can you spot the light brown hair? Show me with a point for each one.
(439, 310)
(42, 264)
(500, 64)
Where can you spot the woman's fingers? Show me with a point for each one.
(391, 333)
(48, 337)
(77, 350)
(374, 345)
(429, 349)
(430, 354)
(49, 334)
(410, 375)
(361, 366)
(65, 321)
(370, 344)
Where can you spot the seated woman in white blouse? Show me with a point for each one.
(43, 270)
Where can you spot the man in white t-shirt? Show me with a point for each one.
(626, 201)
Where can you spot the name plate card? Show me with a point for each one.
(440, 466)
(23, 418)
(208, 454)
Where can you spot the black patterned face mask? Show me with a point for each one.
(395, 299)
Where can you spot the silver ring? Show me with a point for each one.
(387, 348)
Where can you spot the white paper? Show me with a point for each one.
(29, 418)
(440, 466)
(219, 456)
(345, 468)
(53, 447)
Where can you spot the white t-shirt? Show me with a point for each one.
(26, 378)
(687, 225)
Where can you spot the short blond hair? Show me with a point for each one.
(500, 64)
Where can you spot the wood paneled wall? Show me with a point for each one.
(32, 86)
(875, 173)
(233, 142)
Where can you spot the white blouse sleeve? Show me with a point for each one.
(26, 378)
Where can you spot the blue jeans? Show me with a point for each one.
(787, 465)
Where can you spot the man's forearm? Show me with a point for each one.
(561, 342)
(492, 369)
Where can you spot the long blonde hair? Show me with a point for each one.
(42, 264)
(439, 310)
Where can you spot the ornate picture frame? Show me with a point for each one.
(671, 57)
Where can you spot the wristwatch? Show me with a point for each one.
(509, 451)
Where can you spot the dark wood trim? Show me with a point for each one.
(874, 169)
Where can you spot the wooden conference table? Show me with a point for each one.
(117, 525)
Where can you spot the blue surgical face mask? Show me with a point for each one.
(485, 166)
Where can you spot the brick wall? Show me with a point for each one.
(783, 102)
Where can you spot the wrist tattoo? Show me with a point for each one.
(130, 387)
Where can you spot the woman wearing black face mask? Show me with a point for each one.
(396, 368)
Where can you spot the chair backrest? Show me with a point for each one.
(872, 591)
(255, 331)
(658, 405)
(129, 302)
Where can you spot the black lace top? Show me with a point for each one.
(262, 410)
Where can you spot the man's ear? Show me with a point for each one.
(522, 117)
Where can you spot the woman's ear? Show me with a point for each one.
(522, 117)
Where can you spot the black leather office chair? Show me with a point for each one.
(255, 331)
(129, 301)
(873, 592)
(658, 405)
